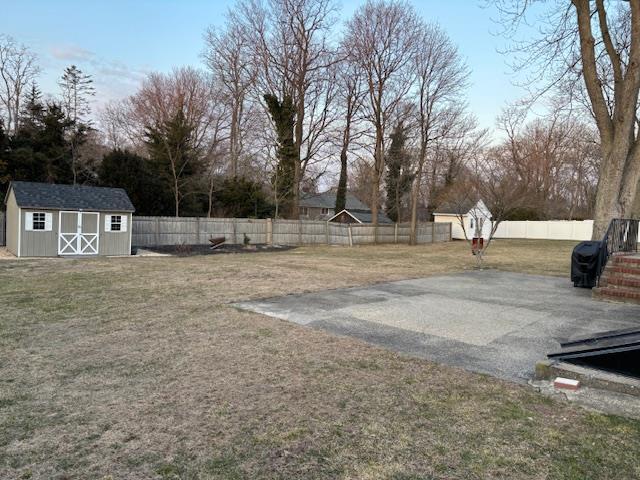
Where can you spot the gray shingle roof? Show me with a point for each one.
(71, 197)
(461, 208)
(328, 200)
(365, 216)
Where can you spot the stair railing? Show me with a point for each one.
(621, 236)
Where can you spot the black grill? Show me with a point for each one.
(584, 264)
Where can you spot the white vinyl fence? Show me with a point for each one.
(546, 230)
(159, 231)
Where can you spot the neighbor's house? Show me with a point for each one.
(469, 212)
(47, 220)
(322, 206)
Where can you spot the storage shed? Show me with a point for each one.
(474, 214)
(49, 220)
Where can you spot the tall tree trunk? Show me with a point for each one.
(377, 174)
(620, 169)
(176, 195)
(635, 210)
(210, 209)
(297, 173)
(233, 140)
(617, 187)
(341, 194)
(415, 196)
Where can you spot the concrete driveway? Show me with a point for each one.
(491, 322)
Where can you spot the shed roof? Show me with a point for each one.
(70, 197)
(454, 208)
(328, 200)
(364, 216)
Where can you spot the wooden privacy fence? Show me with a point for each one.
(158, 231)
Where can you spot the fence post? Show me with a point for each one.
(395, 234)
(299, 232)
(450, 231)
(269, 231)
(198, 241)
(351, 235)
(235, 231)
(326, 232)
(157, 242)
(433, 232)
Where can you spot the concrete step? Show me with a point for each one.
(617, 294)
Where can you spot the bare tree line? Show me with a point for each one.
(348, 92)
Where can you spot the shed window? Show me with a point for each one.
(115, 223)
(38, 221)
(325, 211)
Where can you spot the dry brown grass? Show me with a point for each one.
(139, 368)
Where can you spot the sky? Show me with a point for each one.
(118, 42)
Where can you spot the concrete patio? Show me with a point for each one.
(492, 322)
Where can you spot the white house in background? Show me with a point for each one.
(470, 213)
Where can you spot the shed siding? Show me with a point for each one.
(114, 243)
(39, 243)
(456, 230)
(12, 224)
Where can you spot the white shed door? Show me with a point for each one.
(78, 233)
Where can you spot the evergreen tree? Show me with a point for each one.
(125, 169)
(341, 192)
(33, 108)
(53, 147)
(399, 177)
(283, 115)
(77, 89)
(174, 159)
(242, 198)
(40, 151)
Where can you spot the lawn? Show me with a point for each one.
(140, 368)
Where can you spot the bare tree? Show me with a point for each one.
(441, 77)
(383, 37)
(600, 42)
(229, 58)
(182, 100)
(162, 95)
(18, 69)
(486, 179)
(350, 95)
(291, 40)
(554, 158)
(219, 140)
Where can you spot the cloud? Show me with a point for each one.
(113, 79)
(71, 53)
(110, 69)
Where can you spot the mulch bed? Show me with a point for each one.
(190, 250)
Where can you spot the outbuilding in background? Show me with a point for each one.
(49, 220)
(467, 212)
